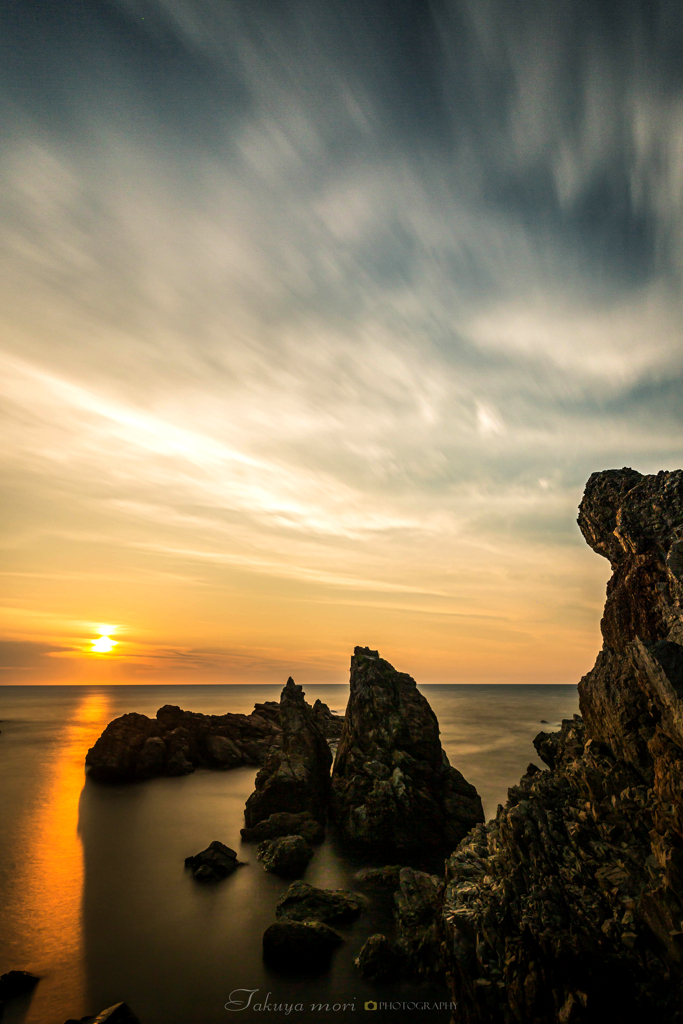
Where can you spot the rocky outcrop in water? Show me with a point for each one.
(568, 906)
(393, 787)
(15, 984)
(214, 863)
(135, 747)
(287, 856)
(296, 774)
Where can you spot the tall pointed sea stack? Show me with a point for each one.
(393, 788)
(296, 775)
(568, 906)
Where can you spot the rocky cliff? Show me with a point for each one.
(393, 787)
(568, 906)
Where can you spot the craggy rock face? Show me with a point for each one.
(568, 906)
(296, 775)
(393, 787)
(637, 523)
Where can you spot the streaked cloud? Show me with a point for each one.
(316, 318)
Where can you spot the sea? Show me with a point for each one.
(94, 895)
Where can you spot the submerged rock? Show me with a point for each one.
(300, 946)
(287, 856)
(296, 775)
(393, 787)
(214, 863)
(285, 824)
(568, 905)
(304, 902)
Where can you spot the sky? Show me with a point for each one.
(315, 319)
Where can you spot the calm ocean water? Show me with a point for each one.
(95, 898)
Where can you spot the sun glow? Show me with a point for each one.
(103, 645)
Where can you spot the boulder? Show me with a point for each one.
(287, 856)
(214, 863)
(300, 946)
(296, 775)
(16, 983)
(568, 905)
(285, 824)
(304, 902)
(393, 788)
(381, 960)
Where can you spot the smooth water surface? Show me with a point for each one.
(95, 897)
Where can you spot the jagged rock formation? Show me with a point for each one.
(135, 747)
(568, 906)
(296, 775)
(393, 787)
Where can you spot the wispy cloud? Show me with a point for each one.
(338, 298)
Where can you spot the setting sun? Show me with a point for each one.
(103, 645)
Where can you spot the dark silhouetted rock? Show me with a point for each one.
(16, 983)
(287, 856)
(120, 1013)
(134, 747)
(285, 824)
(304, 902)
(381, 960)
(393, 787)
(567, 907)
(299, 946)
(296, 775)
(213, 864)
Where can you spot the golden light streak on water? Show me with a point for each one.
(44, 907)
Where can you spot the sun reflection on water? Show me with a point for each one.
(45, 905)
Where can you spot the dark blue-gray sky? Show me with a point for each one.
(316, 318)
